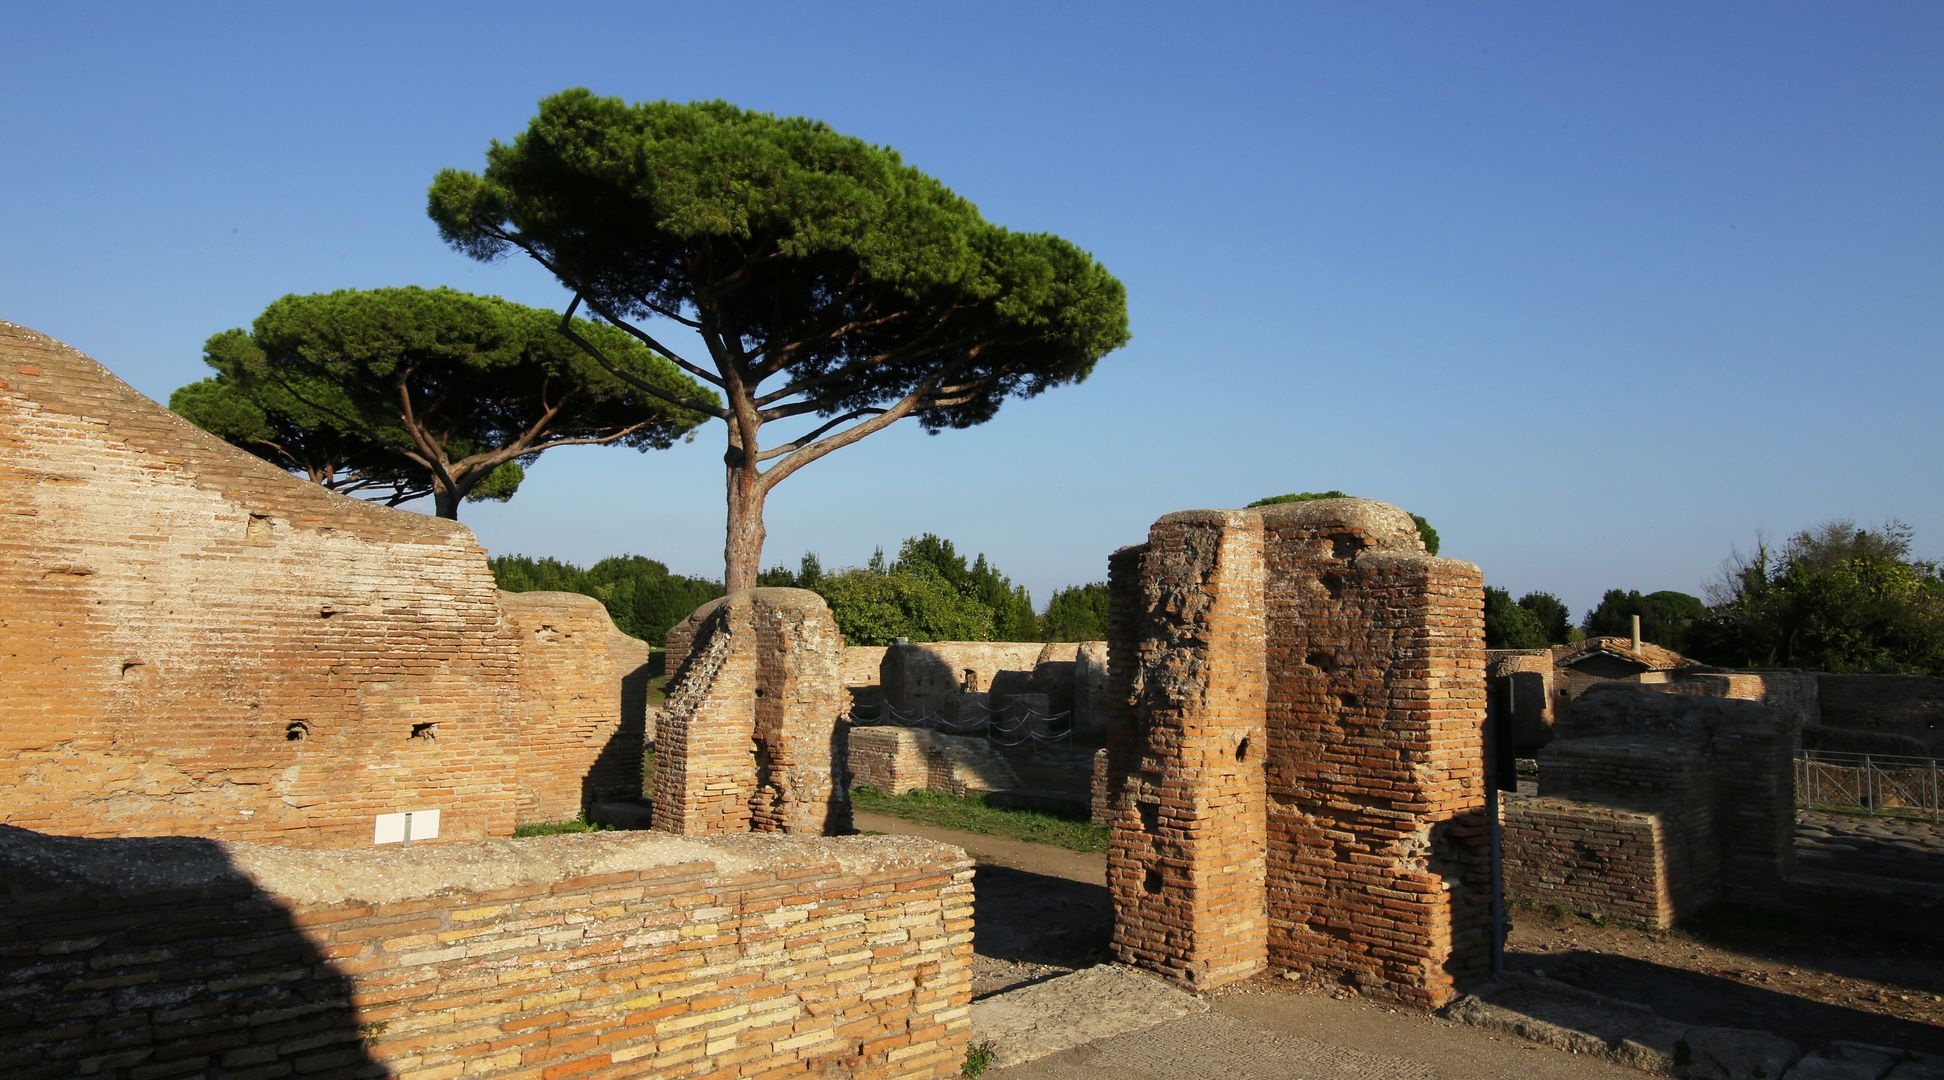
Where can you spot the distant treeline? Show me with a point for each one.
(929, 593)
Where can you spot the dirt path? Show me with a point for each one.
(1043, 911)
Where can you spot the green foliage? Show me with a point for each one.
(1425, 532)
(640, 594)
(1510, 626)
(971, 814)
(1666, 617)
(1838, 598)
(1078, 613)
(425, 391)
(979, 1057)
(1011, 606)
(877, 609)
(1554, 618)
(559, 828)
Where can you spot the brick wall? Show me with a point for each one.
(1743, 748)
(750, 735)
(1378, 863)
(1594, 860)
(1911, 706)
(193, 641)
(619, 955)
(579, 744)
(1294, 768)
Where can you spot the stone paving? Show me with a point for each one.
(1911, 849)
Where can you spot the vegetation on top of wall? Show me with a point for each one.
(642, 597)
(1425, 532)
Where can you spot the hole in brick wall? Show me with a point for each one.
(427, 732)
(1321, 661)
(1152, 882)
(326, 612)
(1242, 749)
(1348, 701)
(132, 667)
(296, 731)
(257, 529)
(1333, 585)
(1150, 815)
(1345, 546)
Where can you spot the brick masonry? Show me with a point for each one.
(617, 955)
(749, 739)
(193, 641)
(581, 731)
(1294, 756)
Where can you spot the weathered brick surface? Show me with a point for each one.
(1743, 749)
(193, 641)
(896, 760)
(1593, 860)
(581, 742)
(619, 955)
(749, 738)
(1295, 762)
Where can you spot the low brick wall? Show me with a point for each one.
(632, 954)
(1598, 860)
(888, 759)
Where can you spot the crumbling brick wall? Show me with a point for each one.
(1625, 743)
(581, 742)
(193, 641)
(629, 954)
(1590, 859)
(750, 735)
(1295, 764)
(895, 760)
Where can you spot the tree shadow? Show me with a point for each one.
(159, 954)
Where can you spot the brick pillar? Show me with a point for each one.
(1378, 869)
(704, 771)
(1186, 748)
(799, 706)
(748, 739)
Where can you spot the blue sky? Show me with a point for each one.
(1601, 289)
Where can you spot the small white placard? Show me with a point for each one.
(392, 828)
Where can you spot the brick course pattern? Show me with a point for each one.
(1594, 860)
(1294, 758)
(620, 955)
(749, 737)
(581, 742)
(194, 642)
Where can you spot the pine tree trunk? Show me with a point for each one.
(742, 545)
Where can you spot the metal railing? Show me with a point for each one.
(1885, 784)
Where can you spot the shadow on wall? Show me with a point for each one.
(126, 954)
(617, 770)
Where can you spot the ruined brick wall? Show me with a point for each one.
(193, 641)
(580, 743)
(1909, 706)
(1294, 754)
(1744, 748)
(900, 759)
(861, 664)
(1524, 679)
(750, 737)
(628, 954)
(630, 656)
(1597, 860)
(922, 678)
(1185, 862)
(1376, 773)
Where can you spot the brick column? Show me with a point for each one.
(1186, 747)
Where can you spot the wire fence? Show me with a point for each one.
(1884, 784)
(1014, 725)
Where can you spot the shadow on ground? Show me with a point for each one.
(1038, 919)
(1702, 1000)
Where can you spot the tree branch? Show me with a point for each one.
(798, 444)
(679, 400)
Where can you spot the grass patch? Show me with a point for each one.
(556, 828)
(657, 685)
(972, 815)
